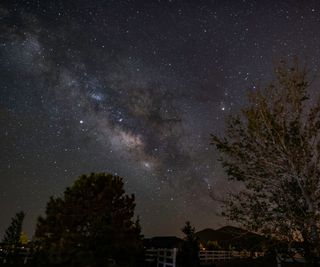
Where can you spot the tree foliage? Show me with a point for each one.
(12, 235)
(91, 224)
(213, 245)
(273, 148)
(12, 239)
(189, 252)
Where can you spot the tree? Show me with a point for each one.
(24, 239)
(90, 225)
(188, 255)
(14, 231)
(273, 149)
(12, 238)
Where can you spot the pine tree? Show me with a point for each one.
(188, 255)
(12, 238)
(13, 233)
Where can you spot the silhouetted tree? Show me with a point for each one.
(91, 224)
(273, 148)
(213, 245)
(188, 255)
(12, 239)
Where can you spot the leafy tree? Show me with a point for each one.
(12, 239)
(273, 149)
(188, 255)
(24, 239)
(213, 245)
(90, 225)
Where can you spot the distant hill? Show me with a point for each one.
(229, 236)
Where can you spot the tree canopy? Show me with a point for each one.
(91, 224)
(273, 148)
(13, 238)
(13, 233)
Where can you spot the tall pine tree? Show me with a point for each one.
(13, 233)
(12, 239)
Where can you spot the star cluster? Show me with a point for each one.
(134, 88)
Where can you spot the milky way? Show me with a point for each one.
(134, 88)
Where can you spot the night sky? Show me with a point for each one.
(134, 88)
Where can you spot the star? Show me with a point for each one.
(111, 87)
